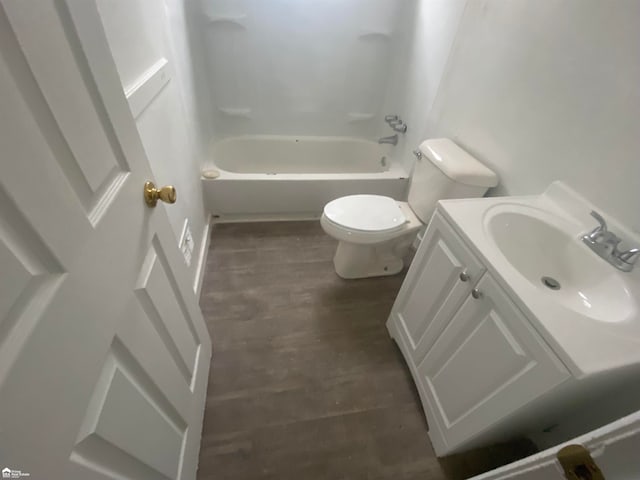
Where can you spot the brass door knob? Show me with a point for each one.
(152, 194)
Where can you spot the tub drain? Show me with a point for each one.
(551, 283)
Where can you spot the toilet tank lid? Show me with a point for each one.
(457, 164)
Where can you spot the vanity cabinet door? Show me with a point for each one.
(487, 363)
(441, 276)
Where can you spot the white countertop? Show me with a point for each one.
(587, 346)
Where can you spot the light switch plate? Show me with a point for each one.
(186, 244)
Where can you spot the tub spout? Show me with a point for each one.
(392, 140)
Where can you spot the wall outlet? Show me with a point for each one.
(187, 244)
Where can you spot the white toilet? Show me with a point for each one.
(375, 231)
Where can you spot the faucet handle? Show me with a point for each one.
(603, 224)
(600, 231)
(630, 256)
(390, 118)
(400, 127)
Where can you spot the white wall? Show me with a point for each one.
(140, 33)
(190, 68)
(428, 31)
(298, 67)
(547, 90)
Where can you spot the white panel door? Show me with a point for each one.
(104, 354)
(614, 448)
(487, 363)
(442, 275)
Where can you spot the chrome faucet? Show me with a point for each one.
(605, 244)
(392, 140)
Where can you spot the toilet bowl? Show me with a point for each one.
(375, 232)
(369, 245)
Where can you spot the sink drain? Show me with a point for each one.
(551, 283)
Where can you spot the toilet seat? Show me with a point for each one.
(363, 237)
(366, 213)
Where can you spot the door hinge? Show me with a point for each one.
(578, 464)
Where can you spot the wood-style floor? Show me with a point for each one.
(305, 382)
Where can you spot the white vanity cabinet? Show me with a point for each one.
(486, 364)
(474, 356)
(441, 277)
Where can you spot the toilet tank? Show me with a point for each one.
(446, 171)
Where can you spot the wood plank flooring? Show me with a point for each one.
(305, 382)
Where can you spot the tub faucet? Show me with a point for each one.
(392, 140)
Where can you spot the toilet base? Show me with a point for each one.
(353, 261)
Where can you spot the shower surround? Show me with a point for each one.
(318, 76)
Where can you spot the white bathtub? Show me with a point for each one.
(279, 177)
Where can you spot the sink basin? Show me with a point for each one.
(542, 248)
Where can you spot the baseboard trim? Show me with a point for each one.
(266, 217)
(202, 257)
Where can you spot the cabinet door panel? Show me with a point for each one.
(439, 278)
(487, 363)
(433, 290)
(503, 360)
